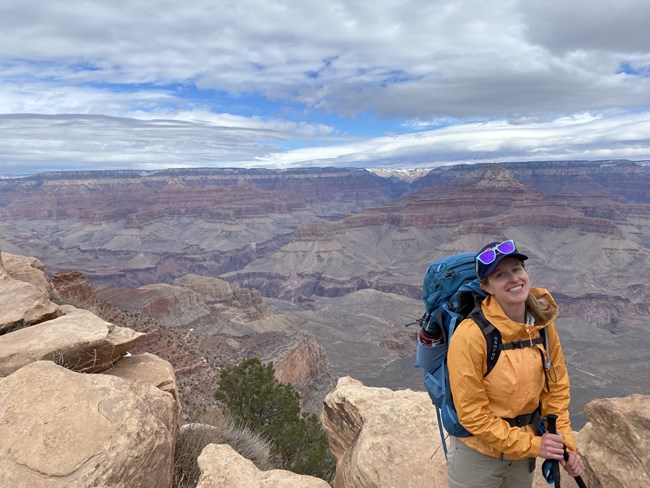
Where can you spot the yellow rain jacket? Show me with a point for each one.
(515, 386)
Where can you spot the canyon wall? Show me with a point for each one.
(340, 255)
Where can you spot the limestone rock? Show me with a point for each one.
(153, 370)
(211, 288)
(222, 467)
(25, 268)
(217, 292)
(73, 286)
(616, 442)
(205, 304)
(149, 368)
(77, 340)
(304, 364)
(383, 438)
(92, 430)
(23, 303)
(171, 305)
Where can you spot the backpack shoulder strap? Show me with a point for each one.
(492, 338)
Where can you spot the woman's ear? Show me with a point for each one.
(485, 286)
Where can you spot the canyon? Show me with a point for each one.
(78, 408)
(327, 263)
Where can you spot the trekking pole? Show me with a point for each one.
(555, 465)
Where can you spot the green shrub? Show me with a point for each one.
(257, 400)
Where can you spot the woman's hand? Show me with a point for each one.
(552, 447)
(574, 466)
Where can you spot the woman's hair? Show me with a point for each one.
(541, 310)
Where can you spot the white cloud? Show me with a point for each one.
(580, 137)
(239, 82)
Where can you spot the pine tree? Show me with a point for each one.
(258, 401)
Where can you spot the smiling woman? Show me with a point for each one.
(502, 409)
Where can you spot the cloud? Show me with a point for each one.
(159, 83)
(580, 137)
(34, 143)
(587, 25)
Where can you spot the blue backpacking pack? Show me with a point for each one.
(451, 293)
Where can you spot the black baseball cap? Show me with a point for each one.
(490, 255)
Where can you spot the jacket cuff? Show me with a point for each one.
(570, 442)
(535, 446)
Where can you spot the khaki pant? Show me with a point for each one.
(467, 468)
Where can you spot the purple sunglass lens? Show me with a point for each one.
(488, 256)
(506, 247)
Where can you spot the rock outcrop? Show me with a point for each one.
(78, 340)
(222, 467)
(76, 410)
(73, 286)
(199, 302)
(383, 438)
(22, 302)
(64, 429)
(304, 365)
(616, 442)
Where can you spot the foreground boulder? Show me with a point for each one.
(23, 303)
(64, 429)
(222, 467)
(154, 371)
(26, 268)
(78, 340)
(616, 442)
(383, 438)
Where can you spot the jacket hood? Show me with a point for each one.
(511, 330)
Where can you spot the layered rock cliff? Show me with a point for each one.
(341, 254)
(201, 324)
(130, 228)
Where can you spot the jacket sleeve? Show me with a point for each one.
(467, 365)
(557, 397)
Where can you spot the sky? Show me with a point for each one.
(154, 84)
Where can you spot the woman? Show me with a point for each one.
(499, 454)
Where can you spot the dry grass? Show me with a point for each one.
(215, 427)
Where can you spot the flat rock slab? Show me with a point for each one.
(78, 340)
(92, 430)
(23, 303)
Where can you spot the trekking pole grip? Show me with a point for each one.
(551, 419)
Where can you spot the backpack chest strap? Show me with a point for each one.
(493, 340)
(523, 344)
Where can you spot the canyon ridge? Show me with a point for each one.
(323, 267)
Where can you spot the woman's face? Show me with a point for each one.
(509, 282)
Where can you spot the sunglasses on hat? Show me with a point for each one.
(489, 255)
